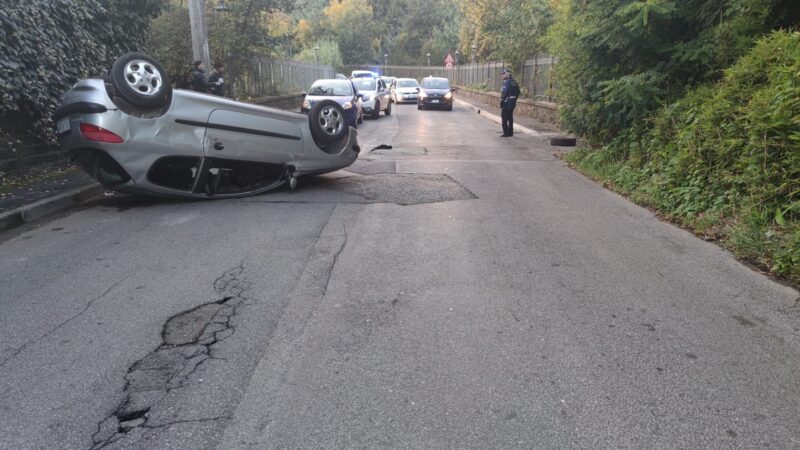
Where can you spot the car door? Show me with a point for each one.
(247, 136)
(383, 93)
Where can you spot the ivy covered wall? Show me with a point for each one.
(45, 47)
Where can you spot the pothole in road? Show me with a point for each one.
(187, 342)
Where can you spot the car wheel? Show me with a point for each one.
(389, 110)
(376, 112)
(141, 80)
(327, 122)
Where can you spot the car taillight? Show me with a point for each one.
(97, 134)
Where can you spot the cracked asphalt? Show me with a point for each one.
(456, 290)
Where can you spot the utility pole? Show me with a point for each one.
(197, 20)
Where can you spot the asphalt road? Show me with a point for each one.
(458, 290)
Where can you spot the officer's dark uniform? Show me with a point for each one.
(508, 101)
(199, 82)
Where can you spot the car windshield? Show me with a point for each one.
(436, 83)
(407, 83)
(331, 88)
(365, 84)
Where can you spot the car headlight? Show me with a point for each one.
(448, 96)
(422, 94)
(306, 104)
(347, 105)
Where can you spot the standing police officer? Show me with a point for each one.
(508, 101)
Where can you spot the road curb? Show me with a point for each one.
(36, 210)
(496, 118)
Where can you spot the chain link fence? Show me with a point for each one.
(535, 79)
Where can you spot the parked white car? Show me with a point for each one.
(405, 90)
(375, 96)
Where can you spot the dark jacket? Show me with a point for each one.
(509, 94)
(199, 82)
(217, 89)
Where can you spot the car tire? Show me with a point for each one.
(141, 80)
(563, 141)
(389, 110)
(327, 122)
(376, 112)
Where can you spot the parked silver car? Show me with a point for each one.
(374, 96)
(134, 133)
(405, 90)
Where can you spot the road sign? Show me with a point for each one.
(449, 60)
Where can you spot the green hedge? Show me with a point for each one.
(49, 44)
(725, 160)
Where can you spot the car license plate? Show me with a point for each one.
(434, 101)
(62, 126)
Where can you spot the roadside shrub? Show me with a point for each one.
(49, 44)
(725, 159)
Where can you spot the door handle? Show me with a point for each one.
(219, 146)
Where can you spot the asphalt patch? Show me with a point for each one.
(403, 189)
(365, 167)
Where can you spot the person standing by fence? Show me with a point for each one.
(216, 81)
(199, 80)
(508, 101)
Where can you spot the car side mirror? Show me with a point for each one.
(417, 89)
(303, 94)
(452, 89)
(359, 95)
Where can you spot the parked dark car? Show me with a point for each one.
(435, 93)
(340, 91)
(134, 133)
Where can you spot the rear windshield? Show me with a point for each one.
(331, 88)
(436, 83)
(365, 84)
(407, 83)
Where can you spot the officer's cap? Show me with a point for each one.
(506, 70)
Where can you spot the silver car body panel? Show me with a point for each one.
(197, 125)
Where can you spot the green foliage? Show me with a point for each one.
(620, 60)
(49, 44)
(344, 20)
(329, 54)
(365, 30)
(508, 30)
(725, 159)
(170, 40)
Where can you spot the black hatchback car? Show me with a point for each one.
(435, 93)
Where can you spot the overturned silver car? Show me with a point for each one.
(134, 133)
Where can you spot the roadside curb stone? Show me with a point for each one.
(45, 207)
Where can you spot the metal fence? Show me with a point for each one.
(535, 79)
(275, 77)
